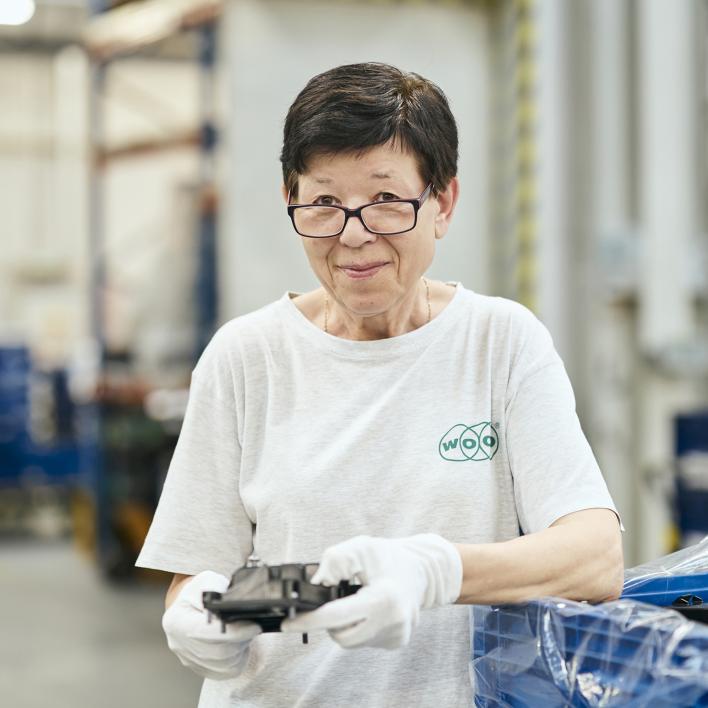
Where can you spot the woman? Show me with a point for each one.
(406, 431)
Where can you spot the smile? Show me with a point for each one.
(364, 270)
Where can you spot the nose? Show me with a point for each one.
(354, 234)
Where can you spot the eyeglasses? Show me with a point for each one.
(388, 218)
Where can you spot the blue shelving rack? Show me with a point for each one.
(205, 24)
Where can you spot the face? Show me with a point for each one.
(364, 273)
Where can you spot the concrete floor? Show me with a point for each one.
(70, 640)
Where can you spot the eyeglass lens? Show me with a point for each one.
(383, 218)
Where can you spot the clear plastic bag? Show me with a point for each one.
(558, 653)
(555, 652)
(660, 581)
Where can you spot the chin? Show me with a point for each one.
(366, 305)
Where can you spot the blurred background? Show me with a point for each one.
(140, 208)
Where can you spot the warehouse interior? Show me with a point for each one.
(141, 209)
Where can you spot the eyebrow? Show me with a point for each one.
(375, 175)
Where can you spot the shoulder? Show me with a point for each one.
(515, 337)
(225, 354)
(246, 328)
(496, 306)
(503, 318)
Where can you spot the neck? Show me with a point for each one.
(410, 313)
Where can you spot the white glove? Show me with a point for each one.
(199, 645)
(401, 577)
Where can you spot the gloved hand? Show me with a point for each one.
(400, 577)
(200, 645)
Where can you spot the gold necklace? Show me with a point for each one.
(326, 304)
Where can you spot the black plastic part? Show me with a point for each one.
(268, 594)
(692, 607)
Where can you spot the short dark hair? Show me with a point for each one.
(358, 106)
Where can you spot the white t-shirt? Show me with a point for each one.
(295, 440)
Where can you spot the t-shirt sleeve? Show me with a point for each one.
(200, 522)
(553, 467)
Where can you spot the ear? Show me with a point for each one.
(447, 200)
(284, 192)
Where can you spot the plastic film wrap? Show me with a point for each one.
(554, 652)
(660, 581)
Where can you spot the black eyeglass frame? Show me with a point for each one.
(417, 204)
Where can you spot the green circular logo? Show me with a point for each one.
(469, 442)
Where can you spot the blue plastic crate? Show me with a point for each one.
(663, 591)
(560, 653)
(21, 458)
(15, 367)
(662, 581)
(14, 359)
